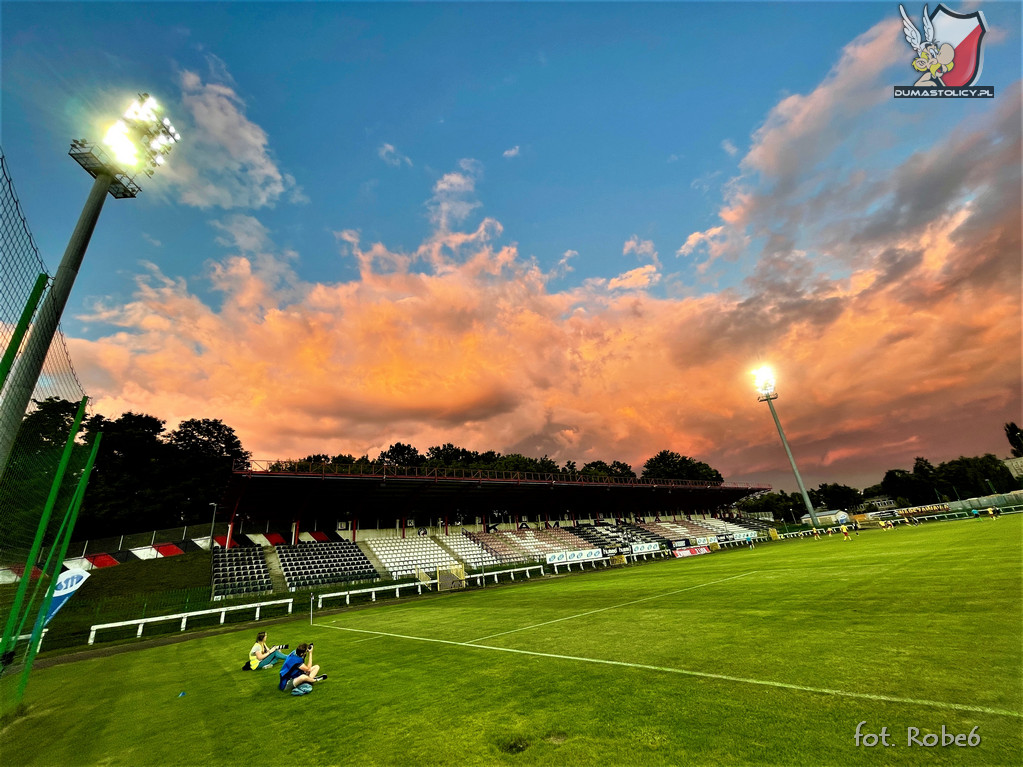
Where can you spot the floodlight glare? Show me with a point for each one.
(764, 380)
(138, 142)
(120, 143)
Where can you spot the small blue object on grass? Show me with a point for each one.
(302, 689)
(181, 694)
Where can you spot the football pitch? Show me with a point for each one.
(767, 656)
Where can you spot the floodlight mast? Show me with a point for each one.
(138, 141)
(765, 387)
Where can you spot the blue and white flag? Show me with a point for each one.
(67, 584)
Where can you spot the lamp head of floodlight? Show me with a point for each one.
(763, 380)
(141, 138)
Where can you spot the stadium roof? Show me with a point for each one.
(295, 490)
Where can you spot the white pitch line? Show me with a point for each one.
(612, 607)
(367, 639)
(702, 674)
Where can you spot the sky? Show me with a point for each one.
(570, 229)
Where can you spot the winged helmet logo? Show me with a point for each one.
(949, 52)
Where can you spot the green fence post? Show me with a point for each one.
(76, 504)
(21, 328)
(46, 568)
(37, 543)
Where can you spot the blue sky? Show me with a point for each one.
(590, 142)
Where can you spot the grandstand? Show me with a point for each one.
(497, 545)
(680, 529)
(264, 562)
(404, 556)
(759, 526)
(724, 527)
(617, 536)
(317, 563)
(538, 543)
(474, 555)
(240, 571)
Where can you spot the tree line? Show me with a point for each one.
(666, 464)
(145, 477)
(922, 485)
(149, 478)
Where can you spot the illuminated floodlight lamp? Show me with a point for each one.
(763, 380)
(137, 143)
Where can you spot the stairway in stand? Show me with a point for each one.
(382, 571)
(273, 564)
(439, 540)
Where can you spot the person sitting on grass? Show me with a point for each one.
(263, 657)
(298, 670)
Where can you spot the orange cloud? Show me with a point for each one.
(483, 354)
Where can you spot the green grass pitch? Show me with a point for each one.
(771, 656)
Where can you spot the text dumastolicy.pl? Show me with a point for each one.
(944, 738)
(915, 91)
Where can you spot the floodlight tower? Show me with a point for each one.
(138, 142)
(764, 381)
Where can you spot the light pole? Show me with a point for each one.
(765, 386)
(213, 522)
(138, 141)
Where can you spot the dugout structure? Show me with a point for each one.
(448, 578)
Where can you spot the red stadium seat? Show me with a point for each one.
(20, 569)
(102, 560)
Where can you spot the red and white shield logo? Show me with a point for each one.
(965, 33)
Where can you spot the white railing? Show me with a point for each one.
(480, 578)
(418, 585)
(396, 588)
(822, 531)
(26, 637)
(141, 622)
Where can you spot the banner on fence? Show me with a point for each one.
(692, 551)
(613, 551)
(640, 548)
(563, 557)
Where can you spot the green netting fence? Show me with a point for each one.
(27, 481)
